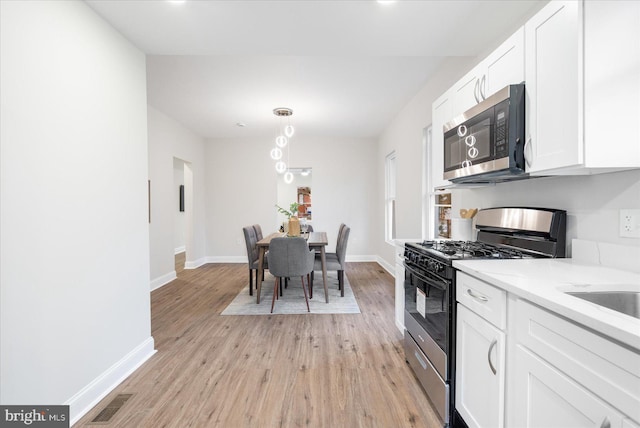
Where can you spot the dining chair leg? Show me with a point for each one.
(251, 281)
(311, 286)
(280, 281)
(275, 293)
(305, 294)
(341, 282)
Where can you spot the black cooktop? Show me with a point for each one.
(455, 250)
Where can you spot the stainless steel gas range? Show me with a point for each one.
(430, 301)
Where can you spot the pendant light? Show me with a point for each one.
(282, 140)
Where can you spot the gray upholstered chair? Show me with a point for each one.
(258, 230)
(253, 253)
(289, 258)
(335, 261)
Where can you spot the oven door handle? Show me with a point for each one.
(436, 282)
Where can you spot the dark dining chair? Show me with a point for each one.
(334, 261)
(290, 258)
(258, 230)
(253, 253)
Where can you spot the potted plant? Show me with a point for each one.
(291, 213)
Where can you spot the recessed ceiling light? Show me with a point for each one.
(176, 1)
(241, 124)
(385, 2)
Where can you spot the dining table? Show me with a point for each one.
(315, 240)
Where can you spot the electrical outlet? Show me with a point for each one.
(630, 223)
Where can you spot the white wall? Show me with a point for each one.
(75, 312)
(242, 190)
(168, 139)
(405, 135)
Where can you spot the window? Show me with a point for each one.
(390, 197)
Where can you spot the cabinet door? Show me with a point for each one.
(466, 92)
(544, 397)
(505, 66)
(480, 353)
(399, 295)
(612, 83)
(553, 82)
(441, 115)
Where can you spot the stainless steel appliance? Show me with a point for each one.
(486, 143)
(430, 301)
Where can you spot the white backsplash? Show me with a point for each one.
(624, 257)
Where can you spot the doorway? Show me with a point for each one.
(183, 209)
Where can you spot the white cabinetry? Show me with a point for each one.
(582, 72)
(480, 352)
(399, 293)
(564, 375)
(504, 66)
(442, 113)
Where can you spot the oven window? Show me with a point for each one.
(429, 306)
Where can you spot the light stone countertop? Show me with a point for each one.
(545, 281)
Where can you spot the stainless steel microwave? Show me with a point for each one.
(486, 143)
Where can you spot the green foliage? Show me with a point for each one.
(293, 209)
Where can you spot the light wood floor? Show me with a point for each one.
(271, 371)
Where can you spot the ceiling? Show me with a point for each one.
(345, 68)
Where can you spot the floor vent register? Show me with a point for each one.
(104, 417)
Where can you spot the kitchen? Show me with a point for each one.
(455, 361)
(592, 202)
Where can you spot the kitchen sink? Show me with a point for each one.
(627, 302)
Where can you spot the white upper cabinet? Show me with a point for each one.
(442, 113)
(504, 66)
(612, 84)
(582, 72)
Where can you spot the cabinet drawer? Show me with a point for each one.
(484, 299)
(610, 370)
(428, 377)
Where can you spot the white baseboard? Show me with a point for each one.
(162, 280)
(387, 266)
(226, 259)
(83, 401)
(195, 263)
(180, 249)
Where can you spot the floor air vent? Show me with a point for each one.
(104, 417)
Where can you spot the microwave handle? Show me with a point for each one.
(528, 152)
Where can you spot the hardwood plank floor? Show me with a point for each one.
(271, 371)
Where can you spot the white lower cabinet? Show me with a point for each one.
(521, 365)
(399, 290)
(480, 350)
(546, 397)
(563, 375)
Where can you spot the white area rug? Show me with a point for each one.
(292, 299)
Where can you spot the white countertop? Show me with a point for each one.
(545, 281)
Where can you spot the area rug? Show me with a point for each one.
(292, 299)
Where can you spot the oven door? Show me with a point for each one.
(427, 305)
